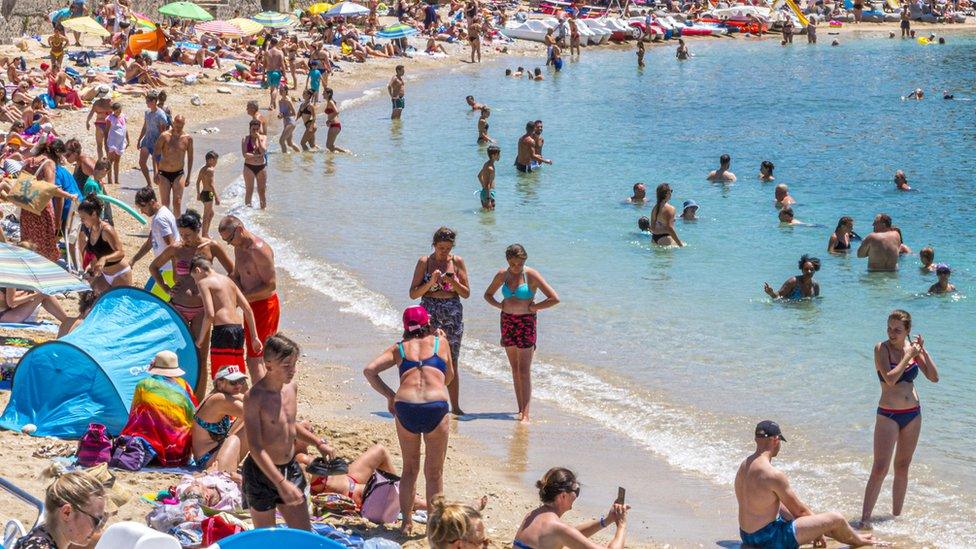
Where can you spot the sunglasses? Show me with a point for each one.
(97, 522)
(229, 239)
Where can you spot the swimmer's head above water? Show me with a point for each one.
(643, 223)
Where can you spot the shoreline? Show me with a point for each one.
(344, 380)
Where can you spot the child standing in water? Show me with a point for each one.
(487, 178)
(206, 192)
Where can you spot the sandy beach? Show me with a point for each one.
(486, 457)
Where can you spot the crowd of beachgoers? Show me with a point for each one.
(238, 425)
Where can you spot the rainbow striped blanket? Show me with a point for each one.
(162, 413)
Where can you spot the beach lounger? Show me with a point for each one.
(13, 529)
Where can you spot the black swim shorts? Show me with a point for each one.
(260, 493)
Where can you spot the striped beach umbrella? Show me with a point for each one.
(248, 26)
(347, 9)
(143, 21)
(274, 19)
(397, 31)
(26, 270)
(185, 10)
(224, 28)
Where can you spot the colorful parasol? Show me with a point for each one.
(398, 30)
(274, 19)
(142, 21)
(347, 9)
(224, 28)
(26, 270)
(185, 10)
(246, 25)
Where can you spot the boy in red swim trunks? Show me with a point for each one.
(254, 273)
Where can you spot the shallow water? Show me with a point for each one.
(680, 350)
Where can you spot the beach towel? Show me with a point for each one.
(162, 413)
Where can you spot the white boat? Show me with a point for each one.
(741, 13)
(618, 29)
(598, 34)
(533, 29)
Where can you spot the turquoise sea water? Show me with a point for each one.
(680, 349)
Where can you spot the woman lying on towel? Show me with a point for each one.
(19, 305)
(352, 482)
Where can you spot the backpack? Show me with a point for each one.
(94, 446)
(381, 498)
(131, 453)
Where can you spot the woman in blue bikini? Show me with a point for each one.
(419, 405)
(519, 284)
(897, 361)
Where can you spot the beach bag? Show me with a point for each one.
(381, 498)
(94, 446)
(217, 527)
(131, 453)
(30, 194)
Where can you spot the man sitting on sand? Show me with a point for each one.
(771, 515)
(221, 299)
(722, 174)
(881, 247)
(272, 478)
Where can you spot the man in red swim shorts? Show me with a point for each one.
(254, 273)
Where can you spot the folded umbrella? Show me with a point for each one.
(26, 270)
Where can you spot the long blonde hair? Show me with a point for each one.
(450, 522)
(75, 488)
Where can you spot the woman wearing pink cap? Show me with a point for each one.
(419, 405)
(519, 284)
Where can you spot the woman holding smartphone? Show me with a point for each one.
(897, 361)
(440, 280)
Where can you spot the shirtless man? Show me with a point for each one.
(274, 69)
(771, 516)
(901, 182)
(396, 88)
(173, 146)
(527, 159)
(881, 246)
(487, 178)
(272, 477)
(722, 174)
(640, 194)
(221, 299)
(254, 273)
(783, 198)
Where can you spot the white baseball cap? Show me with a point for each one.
(230, 373)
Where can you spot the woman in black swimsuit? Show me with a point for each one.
(843, 235)
(662, 219)
(483, 136)
(254, 148)
(307, 113)
(108, 267)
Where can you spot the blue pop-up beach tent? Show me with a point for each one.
(90, 374)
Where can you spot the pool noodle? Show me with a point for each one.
(124, 206)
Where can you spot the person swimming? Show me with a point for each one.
(798, 287)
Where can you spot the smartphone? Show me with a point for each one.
(621, 495)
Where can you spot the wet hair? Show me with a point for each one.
(662, 194)
(724, 159)
(927, 253)
(520, 69)
(943, 268)
(419, 333)
(101, 165)
(516, 250)
(768, 166)
(74, 488)
(450, 522)
(538, 71)
(637, 185)
(787, 211)
(508, 72)
(556, 481)
(643, 223)
(494, 149)
(91, 205)
(885, 220)
(145, 195)
(444, 234)
(471, 97)
(201, 262)
(806, 258)
(281, 347)
(189, 220)
(902, 315)
(529, 126)
(72, 146)
(212, 154)
(846, 220)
